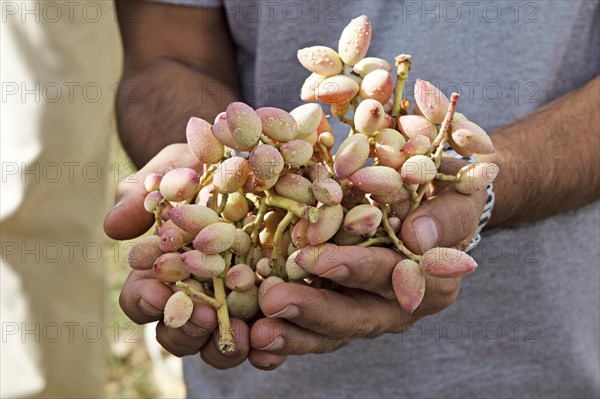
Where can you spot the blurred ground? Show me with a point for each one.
(131, 371)
(129, 368)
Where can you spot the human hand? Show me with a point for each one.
(303, 319)
(143, 298)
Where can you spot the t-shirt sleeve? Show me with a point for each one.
(195, 3)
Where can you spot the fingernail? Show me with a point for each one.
(148, 309)
(193, 330)
(426, 231)
(277, 344)
(259, 364)
(289, 312)
(339, 273)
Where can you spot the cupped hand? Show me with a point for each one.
(143, 298)
(302, 319)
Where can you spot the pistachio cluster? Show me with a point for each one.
(272, 198)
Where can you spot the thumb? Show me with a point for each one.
(128, 218)
(450, 219)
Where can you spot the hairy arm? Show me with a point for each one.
(549, 160)
(179, 62)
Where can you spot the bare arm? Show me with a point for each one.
(174, 57)
(549, 160)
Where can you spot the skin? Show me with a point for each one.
(177, 70)
(165, 75)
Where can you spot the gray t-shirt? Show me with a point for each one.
(526, 323)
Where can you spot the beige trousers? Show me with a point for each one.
(60, 61)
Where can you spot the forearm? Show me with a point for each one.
(549, 159)
(179, 62)
(156, 103)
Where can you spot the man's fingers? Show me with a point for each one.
(440, 293)
(284, 338)
(266, 361)
(203, 320)
(211, 354)
(369, 269)
(333, 314)
(143, 298)
(177, 342)
(129, 219)
(449, 219)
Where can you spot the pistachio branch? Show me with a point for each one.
(403, 62)
(443, 177)
(442, 137)
(260, 215)
(411, 189)
(375, 241)
(277, 242)
(327, 158)
(438, 144)
(307, 212)
(345, 120)
(354, 103)
(206, 179)
(158, 212)
(395, 240)
(255, 199)
(223, 204)
(419, 197)
(193, 292)
(225, 343)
